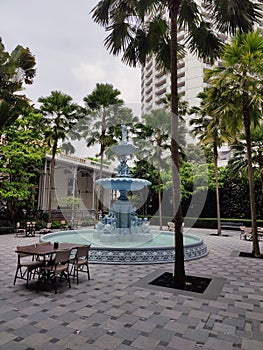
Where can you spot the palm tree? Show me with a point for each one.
(107, 112)
(156, 135)
(212, 131)
(99, 103)
(141, 27)
(61, 114)
(238, 163)
(239, 80)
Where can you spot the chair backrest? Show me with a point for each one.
(62, 256)
(82, 252)
(21, 255)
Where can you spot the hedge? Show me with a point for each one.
(6, 229)
(202, 222)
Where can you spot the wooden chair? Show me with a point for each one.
(30, 228)
(47, 229)
(59, 267)
(170, 226)
(245, 233)
(80, 262)
(25, 266)
(43, 244)
(260, 233)
(19, 230)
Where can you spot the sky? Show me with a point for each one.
(69, 51)
(68, 47)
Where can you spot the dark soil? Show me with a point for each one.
(249, 255)
(193, 283)
(222, 234)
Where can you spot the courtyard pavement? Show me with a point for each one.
(117, 310)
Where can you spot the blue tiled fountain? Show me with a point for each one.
(121, 237)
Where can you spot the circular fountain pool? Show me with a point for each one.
(159, 249)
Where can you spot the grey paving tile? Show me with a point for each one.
(111, 312)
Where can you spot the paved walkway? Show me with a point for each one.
(111, 312)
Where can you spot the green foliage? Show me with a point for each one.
(60, 115)
(235, 195)
(69, 202)
(22, 154)
(145, 170)
(16, 69)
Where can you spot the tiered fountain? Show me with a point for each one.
(121, 237)
(122, 223)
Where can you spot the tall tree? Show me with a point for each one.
(106, 113)
(239, 80)
(141, 27)
(100, 104)
(16, 70)
(211, 130)
(238, 163)
(61, 114)
(155, 136)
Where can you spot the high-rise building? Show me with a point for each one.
(155, 84)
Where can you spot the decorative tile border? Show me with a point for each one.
(125, 256)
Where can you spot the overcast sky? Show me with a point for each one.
(68, 47)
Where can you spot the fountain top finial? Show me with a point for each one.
(124, 133)
(123, 148)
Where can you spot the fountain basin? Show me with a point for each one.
(159, 249)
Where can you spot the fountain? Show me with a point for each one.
(122, 223)
(121, 237)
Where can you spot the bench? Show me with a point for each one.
(230, 225)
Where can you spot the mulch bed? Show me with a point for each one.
(249, 255)
(193, 283)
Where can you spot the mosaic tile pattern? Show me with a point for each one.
(111, 312)
(144, 256)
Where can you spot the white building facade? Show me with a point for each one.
(74, 192)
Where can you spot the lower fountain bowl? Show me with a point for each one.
(160, 249)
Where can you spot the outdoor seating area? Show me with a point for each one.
(45, 263)
(246, 233)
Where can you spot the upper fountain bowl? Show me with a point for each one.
(123, 183)
(123, 149)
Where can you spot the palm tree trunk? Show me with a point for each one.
(219, 232)
(179, 271)
(255, 249)
(102, 149)
(51, 188)
(160, 192)
(246, 122)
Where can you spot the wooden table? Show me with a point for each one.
(45, 249)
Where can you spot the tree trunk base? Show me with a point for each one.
(192, 283)
(250, 255)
